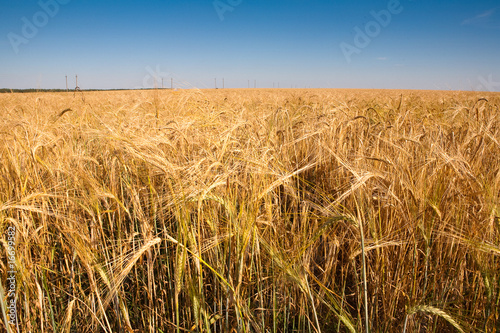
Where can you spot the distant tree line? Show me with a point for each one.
(31, 90)
(7, 90)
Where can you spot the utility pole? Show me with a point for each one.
(77, 87)
(66, 83)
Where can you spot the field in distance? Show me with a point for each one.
(251, 210)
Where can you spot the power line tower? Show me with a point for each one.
(77, 88)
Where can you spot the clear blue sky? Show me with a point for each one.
(300, 43)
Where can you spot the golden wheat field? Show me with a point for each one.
(251, 210)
